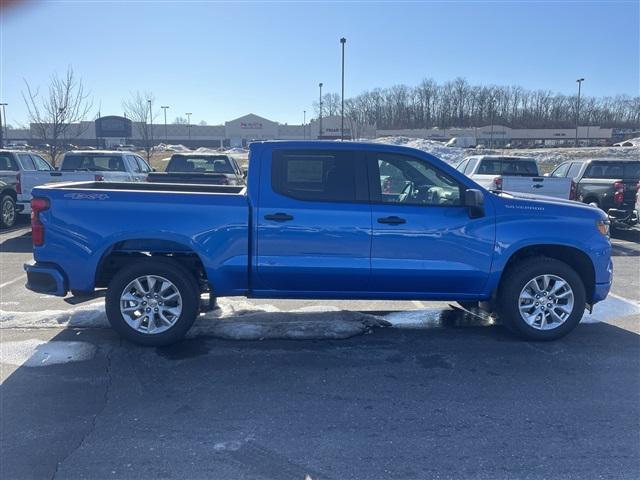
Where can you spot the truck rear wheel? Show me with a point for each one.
(153, 302)
(7, 212)
(541, 299)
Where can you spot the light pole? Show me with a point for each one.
(342, 41)
(579, 82)
(304, 124)
(166, 137)
(492, 112)
(320, 116)
(151, 121)
(5, 131)
(188, 114)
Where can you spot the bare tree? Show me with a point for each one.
(52, 115)
(139, 109)
(180, 121)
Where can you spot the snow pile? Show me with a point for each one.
(40, 353)
(166, 147)
(90, 315)
(632, 142)
(451, 155)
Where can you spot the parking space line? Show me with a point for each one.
(6, 284)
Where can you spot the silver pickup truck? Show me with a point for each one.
(83, 166)
(514, 174)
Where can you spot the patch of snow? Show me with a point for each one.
(90, 315)
(452, 155)
(39, 353)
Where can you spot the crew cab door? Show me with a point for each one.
(424, 240)
(313, 222)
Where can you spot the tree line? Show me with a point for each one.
(459, 104)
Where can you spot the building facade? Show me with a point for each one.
(114, 130)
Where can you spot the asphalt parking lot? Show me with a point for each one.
(461, 400)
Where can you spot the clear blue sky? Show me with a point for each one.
(222, 60)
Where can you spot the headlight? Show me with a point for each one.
(603, 226)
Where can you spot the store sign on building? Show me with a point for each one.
(251, 125)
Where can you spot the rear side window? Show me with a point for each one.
(621, 170)
(315, 176)
(93, 163)
(7, 163)
(462, 165)
(133, 165)
(26, 162)
(470, 166)
(144, 166)
(574, 170)
(507, 166)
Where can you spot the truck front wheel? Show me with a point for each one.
(153, 301)
(541, 299)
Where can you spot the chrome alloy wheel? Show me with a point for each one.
(8, 212)
(546, 302)
(151, 304)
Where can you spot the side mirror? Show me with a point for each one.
(474, 200)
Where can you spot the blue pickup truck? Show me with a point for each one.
(320, 220)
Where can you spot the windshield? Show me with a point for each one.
(93, 163)
(202, 164)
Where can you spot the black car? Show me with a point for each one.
(201, 168)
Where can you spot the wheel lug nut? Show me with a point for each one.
(148, 310)
(155, 309)
(537, 303)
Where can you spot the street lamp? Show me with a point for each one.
(579, 82)
(342, 41)
(6, 132)
(166, 137)
(320, 116)
(151, 120)
(188, 114)
(304, 124)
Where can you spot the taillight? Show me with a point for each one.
(19, 184)
(618, 196)
(99, 178)
(573, 190)
(498, 183)
(37, 228)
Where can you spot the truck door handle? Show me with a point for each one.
(393, 220)
(537, 185)
(279, 217)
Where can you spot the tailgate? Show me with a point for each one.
(547, 186)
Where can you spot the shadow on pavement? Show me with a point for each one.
(469, 402)
(19, 244)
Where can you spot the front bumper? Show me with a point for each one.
(46, 278)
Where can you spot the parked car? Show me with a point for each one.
(207, 168)
(609, 184)
(14, 164)
(514, 174)
(315, 223)
(83, 166)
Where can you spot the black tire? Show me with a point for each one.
(9, 203)
(185, 283)
(513, 283)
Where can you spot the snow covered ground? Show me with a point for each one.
(239, 319)
(547, 157)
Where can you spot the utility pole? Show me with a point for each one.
(166, 137)
(188, 114)
(342, 41)
(320, 116)
(579, 82)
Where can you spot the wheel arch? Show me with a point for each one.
(125, 251)
(572, 256)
